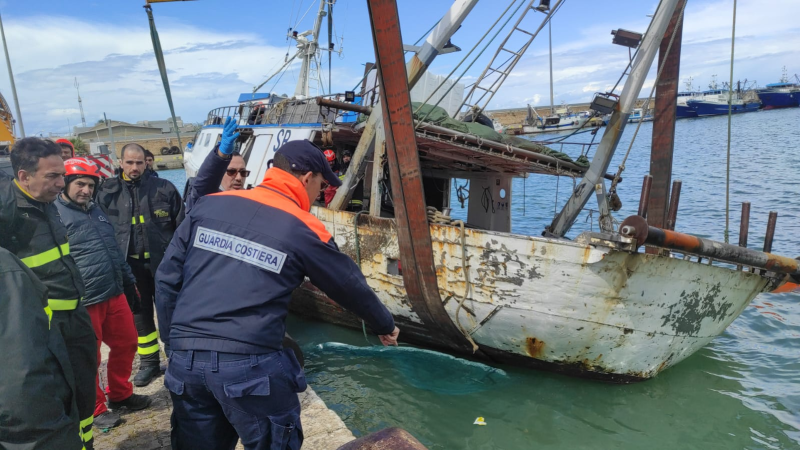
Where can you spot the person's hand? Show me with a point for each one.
(133, 297)
(391, 338)
(228, 137)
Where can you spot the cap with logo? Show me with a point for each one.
(304, 156)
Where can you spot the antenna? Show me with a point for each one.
(80, 102)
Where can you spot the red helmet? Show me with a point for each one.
(80, 167)
(329, 155)
(65, 142)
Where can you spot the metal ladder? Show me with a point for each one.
(495, 73)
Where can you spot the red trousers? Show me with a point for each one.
(112, 321)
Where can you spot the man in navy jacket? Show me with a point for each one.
(222, 293)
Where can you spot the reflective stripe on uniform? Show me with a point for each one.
(133, 220)
(49, 312)
(146, 256)
(150, 337)
(87, 421)
(46, 257)
(88, 435)
(149, 350)
(62, 305)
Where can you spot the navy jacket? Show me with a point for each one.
(93, 246)
(208, 178)
(227, 277)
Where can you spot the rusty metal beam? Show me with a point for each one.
(666, 104)
(413, 231)
(645, 197)
(324, 101)
(636, 227)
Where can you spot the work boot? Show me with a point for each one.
(107, 420)
(145, 375)
(135, 402)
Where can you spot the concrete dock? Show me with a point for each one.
(149, 429)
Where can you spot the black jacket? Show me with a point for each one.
(208, 179)
(93, 245)
(160, 205)
(33, 232)
(37, 408)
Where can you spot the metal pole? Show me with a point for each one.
(11, 77)
(730, 106)
(644, 200)
(110, 135)
(771, 222)
(674, 199)
(550, 42)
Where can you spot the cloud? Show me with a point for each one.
(118, 75)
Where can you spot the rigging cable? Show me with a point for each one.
(476, 57)
(470, 52)
(730, 107)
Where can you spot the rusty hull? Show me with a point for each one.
(549, 304)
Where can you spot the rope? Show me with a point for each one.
(358, 262)
(467, 286)
(730, 113)
(645, 107)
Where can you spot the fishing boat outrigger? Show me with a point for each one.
(594, 306)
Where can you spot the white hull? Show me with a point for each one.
(575, 308)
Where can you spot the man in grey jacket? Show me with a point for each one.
(110, 287)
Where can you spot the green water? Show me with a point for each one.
(742, 391)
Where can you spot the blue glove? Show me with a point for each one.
(228, 137)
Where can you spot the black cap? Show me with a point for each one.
(304, 156)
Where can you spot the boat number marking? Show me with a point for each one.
(282, 138)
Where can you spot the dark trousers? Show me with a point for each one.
(218, 398)
(149, 354)
(76, 328)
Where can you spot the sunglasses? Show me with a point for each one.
(243, 172)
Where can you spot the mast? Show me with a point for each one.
(550, 44)
(664, 122)
(11, 77)
(592, 182)
(307, 50)
(416, 251)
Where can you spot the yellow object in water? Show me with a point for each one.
(479, 421)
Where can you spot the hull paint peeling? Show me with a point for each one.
(551, 304)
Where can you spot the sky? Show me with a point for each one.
(215, 50)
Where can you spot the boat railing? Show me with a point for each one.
(289, 111)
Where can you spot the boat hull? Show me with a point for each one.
(777, 100)
(552, 304)
(684, 111)
(717, 109)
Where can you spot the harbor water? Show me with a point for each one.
(742, 391)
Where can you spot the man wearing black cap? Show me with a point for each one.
(222, 293)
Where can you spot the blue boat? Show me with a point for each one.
(780, 95)
(684, 110)
(715, 102)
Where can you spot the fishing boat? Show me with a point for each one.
(638, 115)
(597, 305)
(714, 101)
(562, 120)
(780, 95)
(684, 110)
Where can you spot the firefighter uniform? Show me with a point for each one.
(145, 213)
(39, 239)
(223, 291)
(37, 404)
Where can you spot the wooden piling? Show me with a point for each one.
(674, 199)
(645, 198)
